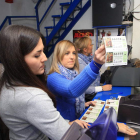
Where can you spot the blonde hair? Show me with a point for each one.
(82, 43)
(59, 52)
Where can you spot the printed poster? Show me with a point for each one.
(82, 33)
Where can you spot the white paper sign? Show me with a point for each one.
(116, 50)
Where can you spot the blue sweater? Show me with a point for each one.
(66, 90)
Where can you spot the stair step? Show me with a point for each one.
(50, 45)
(77, 8)
(70, 18)
(56, 16)
(65, 4)
(56, 37)
(49, 27)
(59, 16)
(62, 28)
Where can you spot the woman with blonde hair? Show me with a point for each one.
(63, 79)
(65, 82)
(59, 52)
(84, 47)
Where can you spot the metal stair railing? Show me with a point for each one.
(8, 18)
(63, 19)
(37, 16)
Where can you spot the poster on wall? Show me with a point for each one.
(82, 33)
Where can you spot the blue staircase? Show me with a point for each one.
(66, 22)
(71, 12)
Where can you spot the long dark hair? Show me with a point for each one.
(16, 41)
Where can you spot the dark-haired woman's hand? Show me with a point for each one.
(81, 123)
(99, 56)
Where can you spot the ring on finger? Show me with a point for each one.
(129, 127)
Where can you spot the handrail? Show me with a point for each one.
(9, 19)
(37, 16)
(70, 26)
(47, 11)
(21, 16)
(3, 22)
(63, 19)
(39, 1)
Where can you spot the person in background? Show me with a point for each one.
(63, 80)
(26, 105)
(121, 32)
(68, 86)
(84, 47)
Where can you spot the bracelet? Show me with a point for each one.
(96, 65)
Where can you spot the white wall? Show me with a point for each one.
(23, 8)
(5, 9)
(136, 32)
(18, 8)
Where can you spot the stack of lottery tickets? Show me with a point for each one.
(93, 112)
(112, 103)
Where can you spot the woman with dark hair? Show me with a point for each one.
(26, 105)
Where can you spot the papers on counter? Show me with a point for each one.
(112, 103)
(93, 112)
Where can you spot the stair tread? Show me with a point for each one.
(49, 27)
(56, 36)
(65, 4)
(62, 28)
(56, 16)
(70, 18)
(77, 8)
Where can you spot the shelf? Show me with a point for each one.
(112, 26)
